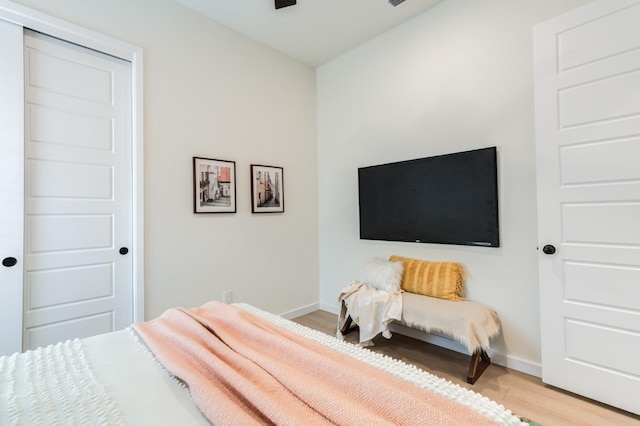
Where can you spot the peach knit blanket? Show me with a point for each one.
(243, 370)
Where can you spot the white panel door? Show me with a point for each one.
(78, 192)
(11, 184)
(587, 86)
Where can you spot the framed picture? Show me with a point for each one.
(214, 186)
(267, 189)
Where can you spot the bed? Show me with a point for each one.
(149, 374)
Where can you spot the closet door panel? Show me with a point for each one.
(11, 187)
(78, 195)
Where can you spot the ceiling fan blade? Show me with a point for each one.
(284, 3)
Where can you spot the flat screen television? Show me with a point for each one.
(446, 199)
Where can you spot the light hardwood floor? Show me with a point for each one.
(524, 395)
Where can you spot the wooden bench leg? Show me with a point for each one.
(479, 362)
(346, 326)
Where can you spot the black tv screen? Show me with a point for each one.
(446, 199)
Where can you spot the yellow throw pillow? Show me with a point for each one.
(444, 280)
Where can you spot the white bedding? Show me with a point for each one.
(131, 387)
(54, 385)
(109, 379)
(138, 385)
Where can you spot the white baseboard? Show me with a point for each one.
(301, 311)
(498, 358)
(334, 309)
(518, 364)
(508, 361)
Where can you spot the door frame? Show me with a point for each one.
(49, 25)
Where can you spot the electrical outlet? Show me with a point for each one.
(226, 296)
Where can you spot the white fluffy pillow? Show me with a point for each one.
(382, 274)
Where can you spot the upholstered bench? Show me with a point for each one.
(469, 323)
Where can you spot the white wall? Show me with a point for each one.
(210, 92)
(456, 77)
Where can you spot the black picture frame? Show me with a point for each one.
(267, 189)
(214, 185)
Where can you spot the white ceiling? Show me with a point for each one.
(312, 31)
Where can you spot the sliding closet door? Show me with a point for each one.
(11, 186)
(78, 192)
(66, 185)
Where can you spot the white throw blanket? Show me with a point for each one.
(372, 309)
(470, 323)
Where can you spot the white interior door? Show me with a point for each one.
(587, 86)
(11, 187)
(78, 192)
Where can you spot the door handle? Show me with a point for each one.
(123, 250)
(548, 249)
(9, 261)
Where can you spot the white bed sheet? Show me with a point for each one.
(144, 392)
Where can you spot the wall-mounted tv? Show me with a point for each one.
(446, 199)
